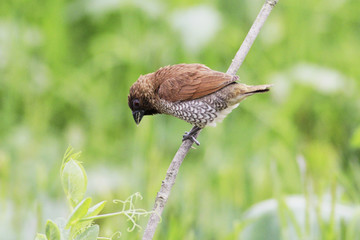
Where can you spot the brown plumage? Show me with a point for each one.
(186, 82)
(192, 92)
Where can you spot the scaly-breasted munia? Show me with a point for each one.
(191, 92)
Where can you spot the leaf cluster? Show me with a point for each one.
(80, 223)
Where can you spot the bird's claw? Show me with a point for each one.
(191, 137)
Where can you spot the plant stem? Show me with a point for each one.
(129, 212)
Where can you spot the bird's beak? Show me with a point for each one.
(138, 115)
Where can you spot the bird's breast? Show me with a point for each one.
(199, 112)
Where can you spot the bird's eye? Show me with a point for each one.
(136, 103)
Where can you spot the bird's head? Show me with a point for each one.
(141, 97)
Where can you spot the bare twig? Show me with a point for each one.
(174, 167)
(251, 36)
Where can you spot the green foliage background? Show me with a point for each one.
(65, 71)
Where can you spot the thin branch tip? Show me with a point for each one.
(272, 2)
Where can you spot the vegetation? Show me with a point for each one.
(80, 224)
(65, 71)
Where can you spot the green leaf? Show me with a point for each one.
(74, 181)
(68, 155)
(40, 236)
(90, 233)
(93, 211)
(80, 211)
(52, 231)
(96, 209)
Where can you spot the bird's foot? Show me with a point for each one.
(191, 137)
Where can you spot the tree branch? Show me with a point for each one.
(174, 167)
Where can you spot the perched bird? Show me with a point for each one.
(191, 92)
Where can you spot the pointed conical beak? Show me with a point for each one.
(138, 115)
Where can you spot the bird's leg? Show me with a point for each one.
(191, 135)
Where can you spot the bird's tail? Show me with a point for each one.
(242, 91)
(250, 90)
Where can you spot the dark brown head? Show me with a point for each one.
(142, 96)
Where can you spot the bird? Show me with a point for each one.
(191, 92)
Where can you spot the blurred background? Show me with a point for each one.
(284, 165)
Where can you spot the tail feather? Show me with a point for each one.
(241, 91)
(249, 90)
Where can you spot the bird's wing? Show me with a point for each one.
(185, 82)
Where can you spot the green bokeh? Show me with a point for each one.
(65, 71)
